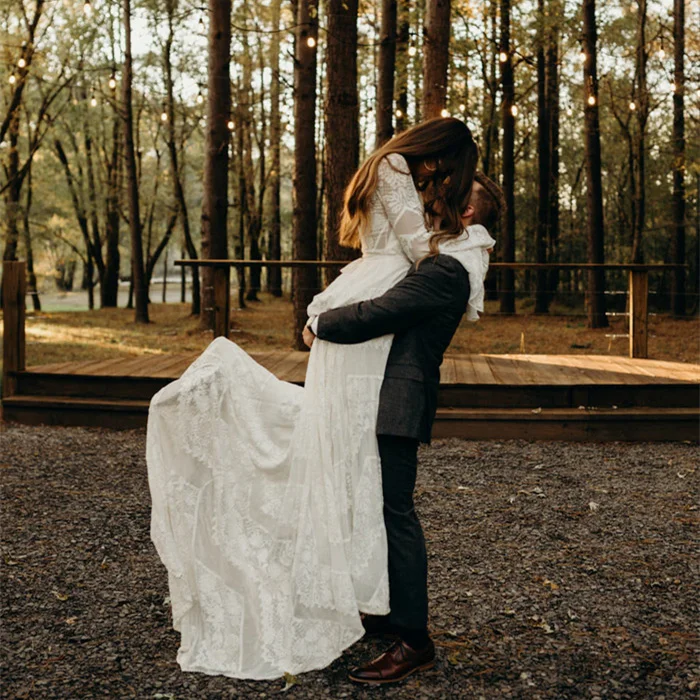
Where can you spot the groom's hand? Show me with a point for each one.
(308, 336)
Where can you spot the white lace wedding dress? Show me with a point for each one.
(266, 497)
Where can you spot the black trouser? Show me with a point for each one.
(408, 564)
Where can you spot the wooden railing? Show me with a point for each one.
(14, 290)
(638, 281)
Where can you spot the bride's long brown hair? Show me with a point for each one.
(447, 142)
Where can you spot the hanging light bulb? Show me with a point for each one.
(412, 51)
(201, 24)
(662, 54)
(514, 110)
(112, 82)
(87, 8)
(311, 42)
(399, 113)
(22, 62)
(444, 113)
(200, 98)
(463, 108)
(503, 57)
(582, 56)
(164, 115)
(569, 111)
(591, 100)
(230, 125)
(93, 101)
(632, 106)
(13, 79)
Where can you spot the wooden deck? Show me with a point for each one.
(573, 397)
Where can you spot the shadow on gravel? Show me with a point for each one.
(557, 570)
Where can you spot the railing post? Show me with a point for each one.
(639, 295)
(14, 289)
(222, 301)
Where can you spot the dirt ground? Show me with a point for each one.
(102, 334)
(557, 570)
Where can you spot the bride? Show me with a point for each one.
(266, 497)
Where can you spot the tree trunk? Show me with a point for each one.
(594, 196)
(543, 165)
(27, 236)
(489, 121)
(402, 65)
(274, 251)
(552, 87)
(176, 175)
(436, 45)
(387, 68)
(342, 122)
(678, 291)
(12, 197)
(109, 285)
(304, 280)
(215, 201)
(642, 113)
(248, 125)
(507, 291)
(137, 268)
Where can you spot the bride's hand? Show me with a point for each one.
(308, 337)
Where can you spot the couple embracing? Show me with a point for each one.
(284, 515)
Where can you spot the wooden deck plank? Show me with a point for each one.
(513, 369)
(448, 371)
(287, 370)
(474, 369)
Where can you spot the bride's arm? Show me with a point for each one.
(436, 284)
(403, 206)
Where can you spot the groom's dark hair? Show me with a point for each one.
(489, 203)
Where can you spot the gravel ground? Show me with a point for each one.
(557, 570)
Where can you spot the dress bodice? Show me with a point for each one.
(398, 236)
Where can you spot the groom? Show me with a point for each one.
(423, 311)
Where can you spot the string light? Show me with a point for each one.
(463, 108)
(311, 42)
(230, 125)
(112, 82)
(200, 98)
(514, 110)
(399, 113)
(13, 79)
(591, 100)
(412, 51)
(93, 101)
(582, 56)
(503, 57)
(201, 24)
(569, 111)
(632, 106)
(21, 63)
(87, 8)
(164, 115)
(444, 113)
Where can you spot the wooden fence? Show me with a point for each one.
(638, 280)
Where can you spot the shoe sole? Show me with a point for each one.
(424, 667)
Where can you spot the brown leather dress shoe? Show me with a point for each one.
(378, 626)
(398, 662)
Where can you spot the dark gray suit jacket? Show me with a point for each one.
(423, 311)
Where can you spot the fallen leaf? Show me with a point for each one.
(289, 681)
(60, 596)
